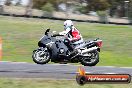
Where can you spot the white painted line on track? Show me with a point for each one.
(96, 73)
(5, 61)
(126, 67)
(11, 62)
(85, 72)
(45, 78)
(59, 64)
(107, 66)
(110, 73)
(65, 64)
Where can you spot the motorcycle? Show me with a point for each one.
(55, 50)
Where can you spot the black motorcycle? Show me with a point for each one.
(55, 50)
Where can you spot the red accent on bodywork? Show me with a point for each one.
(99, 43)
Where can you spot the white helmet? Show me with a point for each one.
(68, 23)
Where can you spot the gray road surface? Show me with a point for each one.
(53, 71)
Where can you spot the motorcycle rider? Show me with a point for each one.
(73, 36)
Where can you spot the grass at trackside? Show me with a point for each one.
(20, 37)
(40, 83)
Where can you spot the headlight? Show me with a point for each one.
(61, 50)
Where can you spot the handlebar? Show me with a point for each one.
(56, 35)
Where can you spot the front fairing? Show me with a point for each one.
(45, 40)
(55, 50)
(56, 45)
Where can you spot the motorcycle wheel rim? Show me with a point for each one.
(41, 56)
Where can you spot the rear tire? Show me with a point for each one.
(41, 56)
(86, 61)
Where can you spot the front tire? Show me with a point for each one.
(41, 55)
(91, 60)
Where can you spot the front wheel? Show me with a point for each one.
(41, 56)
(91, 60)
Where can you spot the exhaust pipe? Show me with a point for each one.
(88, 50)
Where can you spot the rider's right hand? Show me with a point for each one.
(54, 35)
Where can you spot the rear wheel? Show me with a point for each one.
(41, 56)
(91, 60)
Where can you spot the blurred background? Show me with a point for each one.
(20, 35)
(117, 11)
(21, 30)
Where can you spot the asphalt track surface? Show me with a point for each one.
(54, 71)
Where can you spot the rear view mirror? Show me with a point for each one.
(46, 32)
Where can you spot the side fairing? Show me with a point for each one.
(56, 47)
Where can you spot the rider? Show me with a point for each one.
(72, 34)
